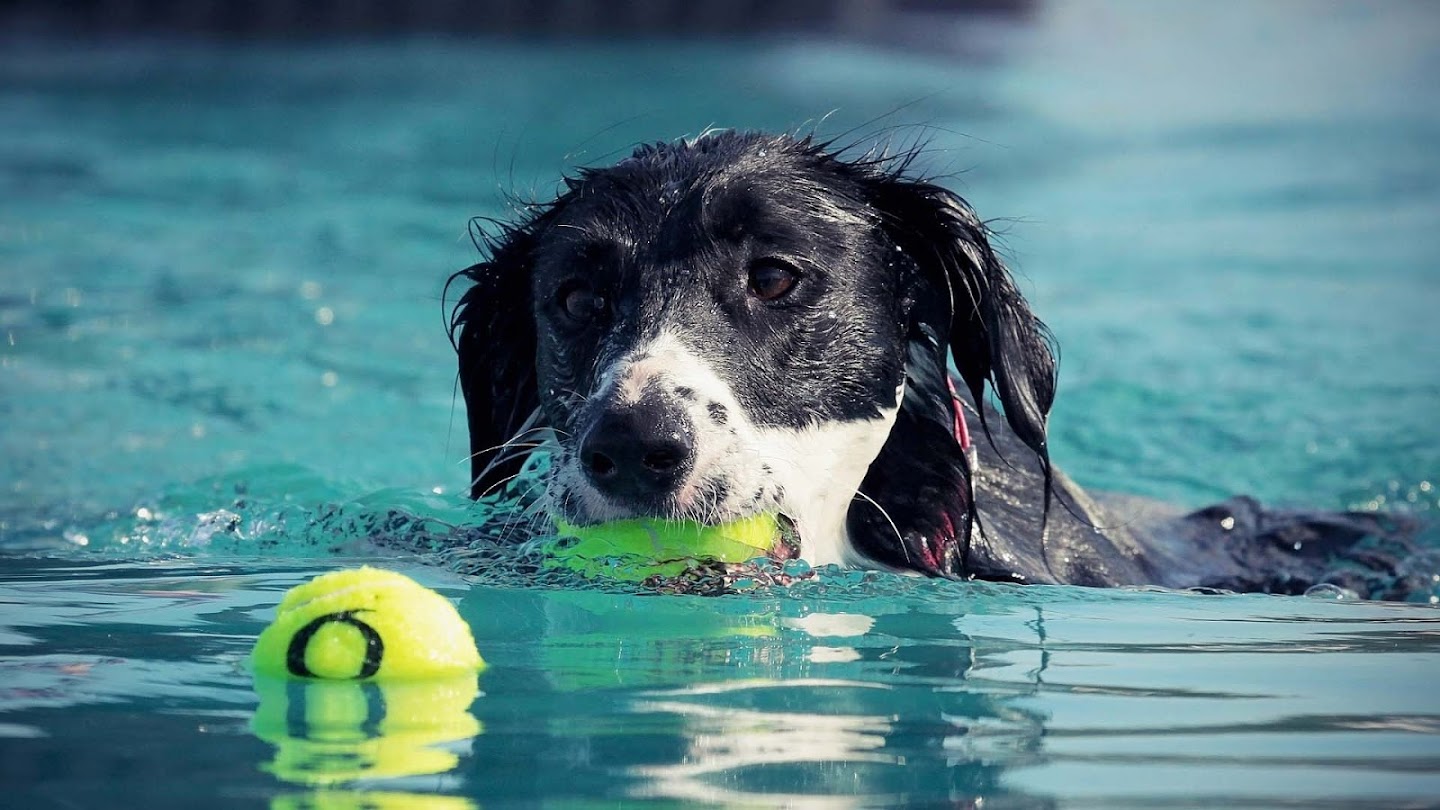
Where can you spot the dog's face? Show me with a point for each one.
(710, 330)
(719, 333)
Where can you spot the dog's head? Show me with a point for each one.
(734, 324)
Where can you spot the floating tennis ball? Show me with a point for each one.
(364, 624)
(633, 550)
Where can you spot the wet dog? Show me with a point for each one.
(745, 323)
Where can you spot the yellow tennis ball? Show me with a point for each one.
(633, 550)
(363, 624)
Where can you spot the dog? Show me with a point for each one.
(745, 322)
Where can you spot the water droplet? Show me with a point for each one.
(1327, 590)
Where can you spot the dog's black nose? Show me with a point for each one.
(639, 451)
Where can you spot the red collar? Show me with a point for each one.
(962, 431)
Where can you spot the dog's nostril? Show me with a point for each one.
(661, 460)
(600, 465)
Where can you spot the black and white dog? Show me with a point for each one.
(747, 323)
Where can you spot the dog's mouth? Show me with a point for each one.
(787, 539)
(708, 496)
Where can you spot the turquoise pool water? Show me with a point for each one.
(223, 370)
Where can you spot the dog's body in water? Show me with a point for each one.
(748, 323)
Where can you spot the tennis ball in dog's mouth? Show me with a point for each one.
(640, 548)
(364, 624)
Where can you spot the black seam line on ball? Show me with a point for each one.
(374, 647)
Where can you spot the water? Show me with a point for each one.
(125, 679)
(223, 370)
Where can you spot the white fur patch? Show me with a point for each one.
(811, 474)
(822, 467)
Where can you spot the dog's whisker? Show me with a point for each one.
(525, 521)
(498, 485)
(516, 453)
(512, 441)
(518, 446)
(900, 538)
(530, 522)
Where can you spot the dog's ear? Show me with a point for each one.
(960, 291)
(493, 329)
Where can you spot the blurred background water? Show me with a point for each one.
(222, 355)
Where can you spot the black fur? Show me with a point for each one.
(494, 337)
(898, 280)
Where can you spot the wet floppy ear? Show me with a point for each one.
(962, 294)
(493, 329)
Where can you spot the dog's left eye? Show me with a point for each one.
(581, 302)
(772, 279)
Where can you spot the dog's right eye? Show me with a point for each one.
(580, 302)
(771, 279)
